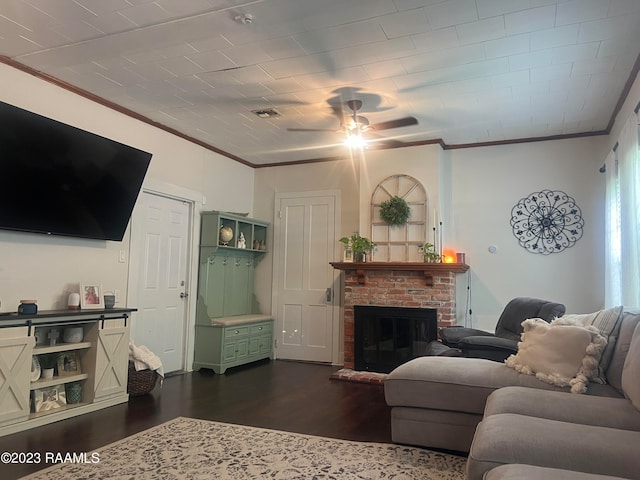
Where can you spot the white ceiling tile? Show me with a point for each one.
(211, 61)
(507, 46)
(100, 7)
(551, 73)
(291, 67)
(180, 8)
(110, 23)
(593, 66)
(443, 58)
(180, 66)
(413, 4)
(530, 20)
(61, 10)
(397, 48)
(619, 45)
(404, 23)
(482, 30)
(576, 11)
(342, 36)
(572, 53)
(554, 37)
(539, 89)
(385, 69)
(213, 42)
(75, 31)
(492, 8)
(450, 13)
(609, 28)
(250, 54)
(623, 7)
(523, 61)
(436, 40)
(509, 79)
(329, 13)
(146, 14)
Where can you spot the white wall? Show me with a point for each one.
(486, 183)
(48, 268)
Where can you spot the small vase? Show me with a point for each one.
(74, 392)
(360, 256)
(47, 373)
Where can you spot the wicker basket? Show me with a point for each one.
(140, 382)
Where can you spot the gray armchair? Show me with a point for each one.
(499, 345)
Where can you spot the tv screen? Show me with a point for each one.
(61, 180)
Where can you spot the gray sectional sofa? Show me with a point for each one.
(541, 430)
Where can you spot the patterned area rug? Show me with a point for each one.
(187, 448)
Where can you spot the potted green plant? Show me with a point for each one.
(48, 364)
(359, 245)
(429, 253)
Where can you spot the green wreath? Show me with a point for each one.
(395, 211)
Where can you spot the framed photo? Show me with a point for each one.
(49, 398)
(91, 296)
(68, 364)
(348, 255)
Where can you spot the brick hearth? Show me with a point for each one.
(420, 285)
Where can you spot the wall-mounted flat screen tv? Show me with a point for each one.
(61, 180)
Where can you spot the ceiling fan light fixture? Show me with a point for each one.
(355, 141)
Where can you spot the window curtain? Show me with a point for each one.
(622, 286)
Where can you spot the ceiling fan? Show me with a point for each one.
(356, 126)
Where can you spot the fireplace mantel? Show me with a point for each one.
(427, 269)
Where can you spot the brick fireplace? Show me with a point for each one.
(405, 284)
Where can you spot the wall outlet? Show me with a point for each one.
(117, 295)
(122, 258)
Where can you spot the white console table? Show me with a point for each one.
(103, 356)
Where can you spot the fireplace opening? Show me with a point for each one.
(386, 337)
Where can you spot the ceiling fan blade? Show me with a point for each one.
(400, 122)
(380, 142)
(314, 130)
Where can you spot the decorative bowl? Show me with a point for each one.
(73, 335)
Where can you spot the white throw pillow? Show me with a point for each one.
(606, 321)
(562, 355)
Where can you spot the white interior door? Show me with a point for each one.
(160, 248)
(305, 244)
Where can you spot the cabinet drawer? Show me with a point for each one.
(260, 329)
(232, 332)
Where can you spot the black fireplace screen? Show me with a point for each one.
(385, 337)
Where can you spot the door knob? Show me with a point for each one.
(329, 294)
(183, 295)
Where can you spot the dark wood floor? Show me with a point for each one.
(290, 396)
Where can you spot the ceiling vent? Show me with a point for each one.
(266, 113)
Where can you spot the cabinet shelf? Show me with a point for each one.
(61, 409)
(57, 380)
(253, 231)
(61, 347)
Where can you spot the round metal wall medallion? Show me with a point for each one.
(547, 222)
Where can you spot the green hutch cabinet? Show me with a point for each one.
(230, 330)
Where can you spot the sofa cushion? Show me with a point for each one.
(608, 324)
(459, 384)
(563, 355)
(631, 370)
(508, 438)
(584, 409)
(519, 471)
(630, 318)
